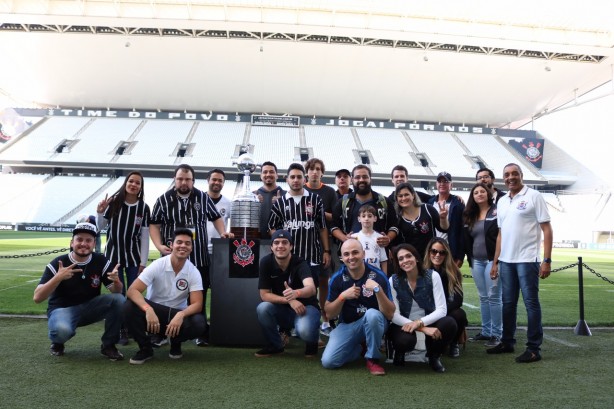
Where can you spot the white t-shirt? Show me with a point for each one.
(374, 254)
(519, 219)
(167, 288)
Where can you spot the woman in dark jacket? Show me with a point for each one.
(481, 232)
(439, 258)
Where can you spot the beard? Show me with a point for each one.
(362, 188)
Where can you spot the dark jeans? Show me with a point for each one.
(404, 341)
(134, 318)
(460, 317)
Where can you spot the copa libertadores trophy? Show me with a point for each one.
(245, 208)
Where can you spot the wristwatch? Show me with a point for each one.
(547, 260)
(376, 289)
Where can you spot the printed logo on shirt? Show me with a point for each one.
(308, 208)
(138, 220)
(522, 205)
(346, 277)
(299, 224)
(361, 310)
(95, 281)
(182, 284)
(197, 206)
(424, 227)
(223, 212)
(366, 292)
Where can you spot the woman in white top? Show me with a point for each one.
(420, 307)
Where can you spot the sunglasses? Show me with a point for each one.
(440, 252)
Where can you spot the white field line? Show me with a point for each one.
(560, 341)
(473, 307)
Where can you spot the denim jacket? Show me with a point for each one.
(423, 294)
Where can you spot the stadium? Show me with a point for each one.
(91, 90)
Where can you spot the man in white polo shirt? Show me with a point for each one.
(170, 281)
(522, 216)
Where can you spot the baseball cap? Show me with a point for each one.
(282, 234)
(85, 228)
(445, 175)
(342, 171)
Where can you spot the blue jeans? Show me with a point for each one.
(489, 292)
(272, 315)
(131, 274)
(516, 277)
(344, 342)
(63, 322)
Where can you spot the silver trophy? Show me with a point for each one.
(245, 209)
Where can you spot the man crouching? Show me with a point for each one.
(170, 281)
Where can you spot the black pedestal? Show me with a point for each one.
(234, 301)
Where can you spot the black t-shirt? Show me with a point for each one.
(81, 287)
(419, 232)
(354, 309)
(272, 277)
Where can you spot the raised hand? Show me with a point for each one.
(104, 203)
(66, 273)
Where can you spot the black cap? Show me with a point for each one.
(282, 234)
(340, 171)
(445, 175)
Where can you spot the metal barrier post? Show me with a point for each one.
(581, 326)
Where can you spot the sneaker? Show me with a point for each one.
(175, 352)
(56, 349)
(141, 356)
(528, 357)
(158, 340)
(268, 351)
(311, 350)
(493, 342)
(375, 368)
(201, 342)
(454, 350)
(501, 348)
(111, 352)
(123, 337)
(325, 329)
(479, 337)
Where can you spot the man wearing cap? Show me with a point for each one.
(170, 282)
(288, 296)
(455, 207)
(72, 284)
(342, 180)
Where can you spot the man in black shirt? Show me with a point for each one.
(72, 284)
(288, 297)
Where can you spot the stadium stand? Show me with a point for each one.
(334, 145)
(275, 144)
(215, 143)
(444, 153)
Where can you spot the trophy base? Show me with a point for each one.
(249, 233)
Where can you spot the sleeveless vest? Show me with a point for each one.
(423, 294)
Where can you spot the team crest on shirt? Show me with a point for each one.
(138, 220)
(308, 208)
(522, 205)
(423, 227)
(196, 206)
(346, 277)
(223, 212)
(243, 254)
(182, 284)
(366, 292)
(95, 281)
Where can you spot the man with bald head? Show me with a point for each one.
(360, 296)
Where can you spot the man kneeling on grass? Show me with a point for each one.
(288, 297)
(72, 284)
(170, 281)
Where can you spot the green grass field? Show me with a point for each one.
(574, 372)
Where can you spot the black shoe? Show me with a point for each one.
(123, 337)
(111, 352)
(479, 337)
(56, 349)
(399, 359)
(141, 356)
(268, 351)
(436, 364)
(528, 357)
(500, 349)
(175, 352)
(201, 342)
(454, 350)
(311, 349)
(158, 340)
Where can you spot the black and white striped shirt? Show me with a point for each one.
(172, 211)
(124, 233)
(304, 220)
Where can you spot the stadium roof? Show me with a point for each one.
(474, 62)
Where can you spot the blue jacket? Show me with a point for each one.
(455, 232)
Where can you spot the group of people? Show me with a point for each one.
(350, 263)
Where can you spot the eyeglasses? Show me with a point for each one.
(483, 177)
(440, 252)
